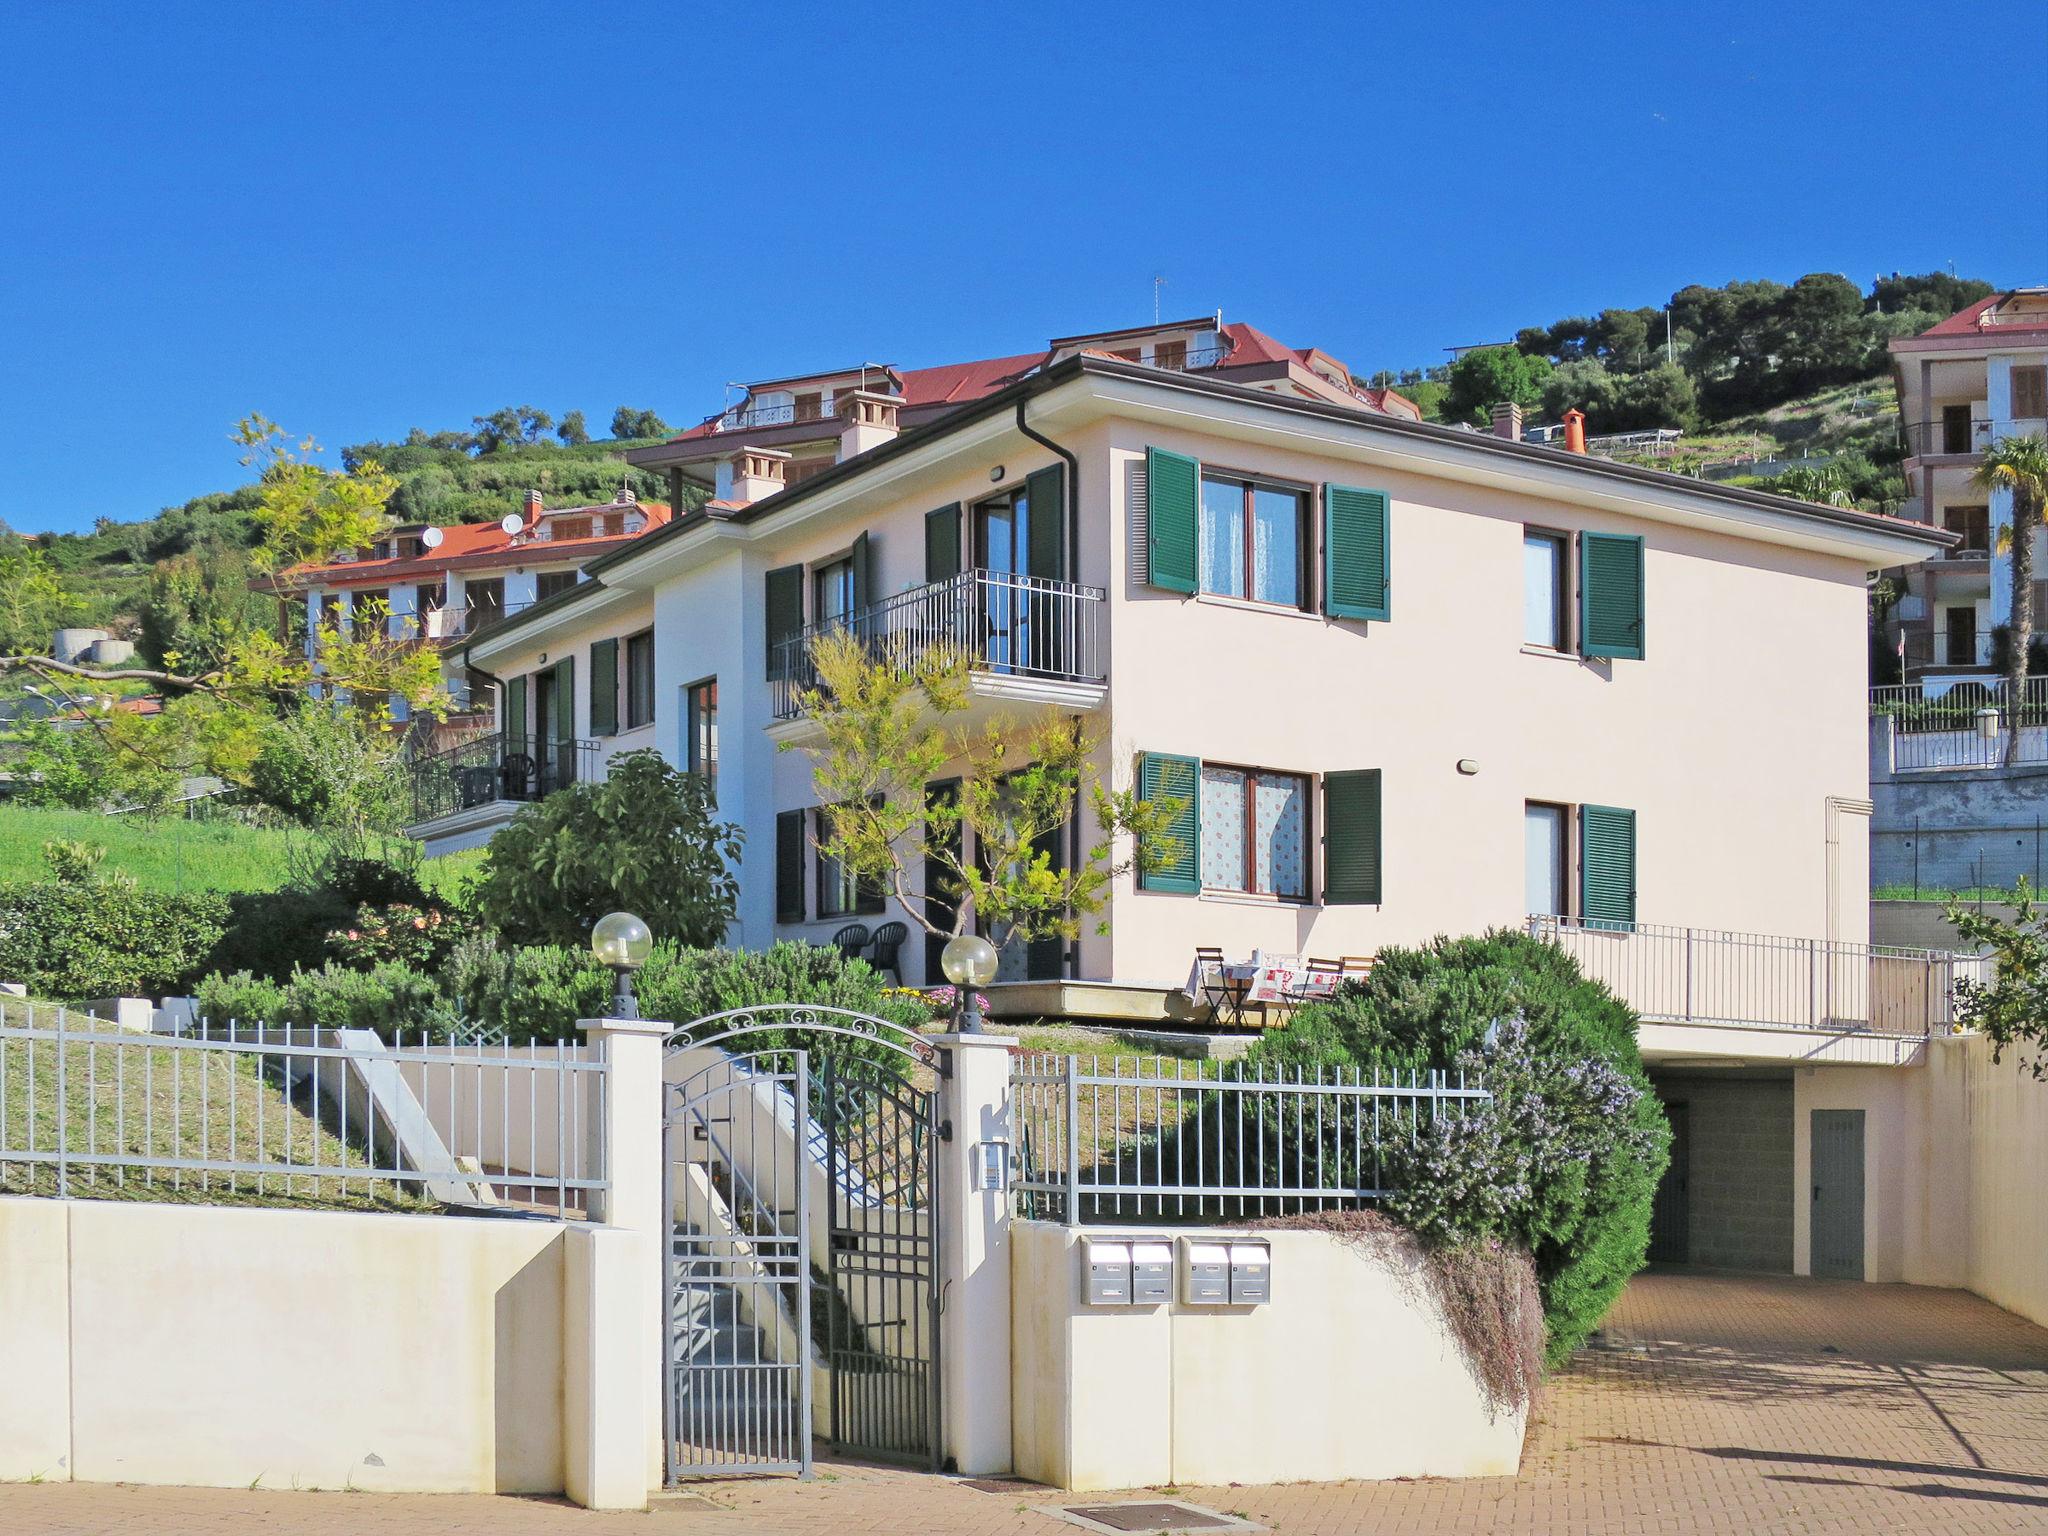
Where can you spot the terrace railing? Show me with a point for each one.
(1159, 1139)
(235, 1113)
(1929, 439)
(1712, 976)
(1022, 626)
(494, 767)
(1962, 725)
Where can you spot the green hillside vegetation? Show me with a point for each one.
(1750, 368)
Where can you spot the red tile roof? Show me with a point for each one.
(473, 546)
(1968, 322)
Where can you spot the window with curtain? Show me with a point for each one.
(1544, 836)
(1251, 541)
(700, 727)
(1254, 834)
(832, 592)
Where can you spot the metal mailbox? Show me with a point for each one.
(1151, 1272)
(1204, 1273)
(1251, 1273)
(1107, 1272)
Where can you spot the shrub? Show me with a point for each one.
(273, 933)
(386, 998)
(416, 936)
(1565, 1159)
(642, 840)
(240, 999)
(533, 992)
(92, 938)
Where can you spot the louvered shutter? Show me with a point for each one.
(564, 723)
(1172, 482)
(942, 543)
(1045, 490)
(1045, 958)
(789, 866)
(863, 561)
(604, 688)
(1351, 838)
(1355, 545)
(785, 605)
(515, 714)
(1611, 595)
(1607, 866)
(1161, 777)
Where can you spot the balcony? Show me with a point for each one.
(1711, 993)
(1955, 438)
(495, 772)
(1961, 724)
(1026, 638)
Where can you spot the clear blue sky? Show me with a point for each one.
(358, 218)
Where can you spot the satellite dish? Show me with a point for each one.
(430, 538)
(512, 523)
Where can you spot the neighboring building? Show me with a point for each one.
(446, 585)
(1973, 380)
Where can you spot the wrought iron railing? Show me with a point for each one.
(233, 1112)
(1927, 439)
(1713, 976)
(1163, 1139)
(1963, 725)
(498, 767)
(1023, 626)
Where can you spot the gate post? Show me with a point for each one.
(974, 1253)
(627, 1144)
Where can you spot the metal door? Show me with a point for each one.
(1671, 1211)
(738, 1267)
(1837, 1224)
(880, 1308)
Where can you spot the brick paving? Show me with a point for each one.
(1712, 1403)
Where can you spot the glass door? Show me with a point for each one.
(1002, 548)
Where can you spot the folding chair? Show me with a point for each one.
(1226, 1007)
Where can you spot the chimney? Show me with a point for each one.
(1507, 421)
(625, 498)
(867, 419)
(1574, 431)
(533, 508)
(750, 474)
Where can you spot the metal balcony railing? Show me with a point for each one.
(1962, 725)
(498, 767)
(1712, 976)
(1929, 439)
(1023, 626)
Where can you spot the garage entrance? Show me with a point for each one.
(1726, 1201)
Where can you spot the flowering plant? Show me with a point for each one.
(938, 999)
(414, 936)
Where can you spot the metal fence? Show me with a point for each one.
(1923, 863)
(1962, 725)
(493, 766)
(1026, 626)
(246, 1114)
(1955, 435)
(1712, 976)
(1161, 1139)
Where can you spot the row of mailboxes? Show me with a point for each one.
(1138, 1271)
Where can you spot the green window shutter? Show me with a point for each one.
(863, 562)
(785, 612)
(942, 543)
(789, 867)
(1607, 866)
(1172, 487)
(1046, 491)
(515, 713)
(565, 699)
(1355, 576)
(604, 688)
(1351, 838)
(1161, 777)
(1611, 595)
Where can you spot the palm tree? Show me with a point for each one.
(1827, 484)
(2018, 465)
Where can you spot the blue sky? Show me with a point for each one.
(361, 218)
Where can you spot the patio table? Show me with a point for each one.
(1265, 981)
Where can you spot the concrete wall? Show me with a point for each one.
(1348, 1373)
(1739, 1175)
(1923, 924)
(218, 1346)
(1954, 828)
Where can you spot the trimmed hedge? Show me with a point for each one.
(105, 938)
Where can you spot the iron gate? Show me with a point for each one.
(799, 1277)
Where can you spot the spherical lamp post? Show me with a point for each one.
(621, 941)
(969, 961)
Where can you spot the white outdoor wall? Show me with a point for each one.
(1349, 1372)
(219, 1346)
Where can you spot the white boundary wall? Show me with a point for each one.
(1349, 1372)
(223, 1346)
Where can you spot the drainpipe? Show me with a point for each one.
(1073, 498)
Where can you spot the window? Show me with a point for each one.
(486, 601)
(832, 592)
(789, 866)
(1170, 354)
(570, 528)
(1973, 523)
(1960, 636)
(840, 894)
(1545, 837)
(1254, 835)
(807, 406)
(551, 582)
(1252, 541)
(368, 613)
(1543, 589)
(640, 679)
(614, 524)
(700, 729)
(2030, 392)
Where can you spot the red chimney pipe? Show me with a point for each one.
(1574, 431)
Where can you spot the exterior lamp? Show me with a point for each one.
(969, 961)
(621, 941)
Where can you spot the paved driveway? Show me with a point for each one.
(1714, 1403)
